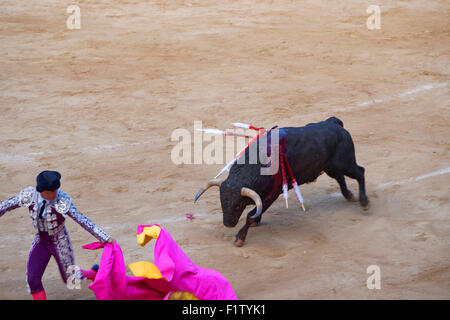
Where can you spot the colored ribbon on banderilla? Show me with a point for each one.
(294, 183)
(283, 175)
(261, 131)
(246, 126)
(224, 133)
(283, 160)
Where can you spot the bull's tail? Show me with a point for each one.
(336, 120)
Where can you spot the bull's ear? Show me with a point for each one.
(247, 192)
(209, 184)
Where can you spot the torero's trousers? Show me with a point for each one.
(42, 249)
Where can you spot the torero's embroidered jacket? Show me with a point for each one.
(56, 213)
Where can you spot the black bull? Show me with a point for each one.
(310, 150)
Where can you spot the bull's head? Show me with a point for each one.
(233, 199)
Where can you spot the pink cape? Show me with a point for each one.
(112, 283)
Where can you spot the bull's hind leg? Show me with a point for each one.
(356, 172)
(341, 180)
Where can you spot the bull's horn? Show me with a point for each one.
(209, 184)
(246, 192)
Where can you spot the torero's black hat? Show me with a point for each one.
(48, 180)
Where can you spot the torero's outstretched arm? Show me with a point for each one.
(10, 204)
(87, 224)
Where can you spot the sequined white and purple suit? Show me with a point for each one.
(51, 238)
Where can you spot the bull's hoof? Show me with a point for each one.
(238, 242)
(366, 206)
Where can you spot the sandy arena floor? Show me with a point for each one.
(99, 104)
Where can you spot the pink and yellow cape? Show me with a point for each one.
(171, 272)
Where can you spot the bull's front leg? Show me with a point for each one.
(239, 239)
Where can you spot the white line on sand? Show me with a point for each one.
(418, 178)
(102, 147)
(98, 148)
(416, 90)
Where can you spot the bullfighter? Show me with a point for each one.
(49, 207)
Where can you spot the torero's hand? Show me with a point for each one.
(110, 240)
